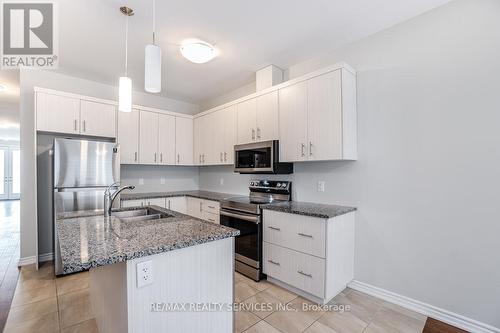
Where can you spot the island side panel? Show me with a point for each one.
(198, 274)
(108, 297)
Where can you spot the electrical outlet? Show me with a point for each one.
(141, 181)
(162, 180)
(221, 182)
(321, 186)
(144, 273)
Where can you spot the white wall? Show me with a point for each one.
(428, 176)
(54, 80)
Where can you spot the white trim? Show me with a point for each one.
(308, 76)
(27, 261)
(45, 257)
(108, 101)
(443, 315)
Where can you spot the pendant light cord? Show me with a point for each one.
(126, 46)
(154, 22)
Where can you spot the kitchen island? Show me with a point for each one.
(189, 270)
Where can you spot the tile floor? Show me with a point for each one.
(43, 304)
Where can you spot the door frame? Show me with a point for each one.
(8, 177)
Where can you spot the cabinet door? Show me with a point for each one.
(293, 122)
(197, 137)
(57, 113)
(219, 145)
(128, 136)
(324, 114)
(97, 119)
(156, 202)
(166, 140)
(267, 117)
(208, 128)
(229, 115)
(132, 203)
(194, 207)
(183, 141)
(246, 121)
(177, 204)
(148, 137)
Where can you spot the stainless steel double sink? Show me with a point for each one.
(139, 214)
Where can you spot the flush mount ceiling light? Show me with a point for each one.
(198, 52)
(125, 83)
(152, 63)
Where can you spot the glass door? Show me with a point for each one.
(10, 173)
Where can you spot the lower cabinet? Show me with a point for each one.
(203, 209)
(156, 202)
(132, 203)
(313, 257)
(177, 204)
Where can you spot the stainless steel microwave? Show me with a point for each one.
(260, 157)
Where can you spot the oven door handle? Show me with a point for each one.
(247, 217)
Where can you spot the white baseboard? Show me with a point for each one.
(27, 261)
(46, 257)
(446, 316)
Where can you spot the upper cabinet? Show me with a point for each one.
(63, 114)
(183, 141)
(128, 136)
(257, 119)
(318, 118)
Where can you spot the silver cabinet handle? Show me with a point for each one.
(225, 156)
(305, 274)
(203, 155)
(253, 134)
(302, 147)
(76, 125)
(273, 262)
(211, 207)
(258, 133)
(305, 235)
(221, 157)
(161, 157)
(178, 158)
(84, 127)
(169, 204)
(199, 158)
(211, 220)
(135, 156)
(310, 148)
(274, 228)
(201, 205)
(155, 156)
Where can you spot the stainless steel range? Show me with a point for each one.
(244, 213)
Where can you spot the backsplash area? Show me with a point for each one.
(152, 178)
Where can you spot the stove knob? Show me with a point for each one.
(278, 185)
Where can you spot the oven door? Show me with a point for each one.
(248, 245)
(254, 157)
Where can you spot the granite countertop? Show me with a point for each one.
(90, 241)
(207, 195)
(309, 209)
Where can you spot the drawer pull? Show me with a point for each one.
(274, 262)
(274, 228)
(211, 220)
(211, 207)
(305, 274)
(305, 235)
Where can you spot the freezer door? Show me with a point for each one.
(85, 163)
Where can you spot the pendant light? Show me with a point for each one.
(125, 83)
(152, 63)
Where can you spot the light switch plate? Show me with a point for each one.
(144, 273)
(321, 186)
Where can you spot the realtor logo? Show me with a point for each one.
(29, 36)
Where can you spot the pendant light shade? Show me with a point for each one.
(152, 62)
(125, 94)
(152, 70)
(125, 83)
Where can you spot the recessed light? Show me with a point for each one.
(2, 88)
(198, 52)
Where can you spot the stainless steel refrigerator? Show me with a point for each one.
(83, 169)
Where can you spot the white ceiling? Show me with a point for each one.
(249, 34)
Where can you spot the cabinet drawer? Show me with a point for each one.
(210, 217)
(297, 269)
(302, 233)
(211, 206)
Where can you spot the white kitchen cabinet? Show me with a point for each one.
(148, 137)
(246, 121)
(204, 140)
(59, 114)
(184, 141)
(132, 203)
(166, 140)
(177, 204)
(128, 136)
(207, 210)
(318, 118)
(314, 256)
(194, 207)
(223, 123)
(97, 119)
(257, 119)
(156, 202)
(293, 122)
